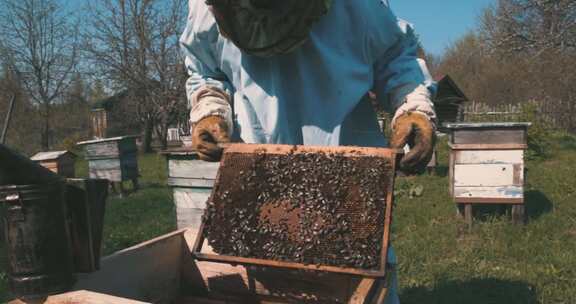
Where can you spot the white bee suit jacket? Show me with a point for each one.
(315, 94)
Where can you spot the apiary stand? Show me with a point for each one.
(163, 270)
(487, 166)
(114, 159)
(191, 180)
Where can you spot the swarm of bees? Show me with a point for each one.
(309, 208)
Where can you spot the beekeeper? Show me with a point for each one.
(298, 72)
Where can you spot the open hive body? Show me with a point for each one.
(322, 208)
(164, 270)
(182, 267)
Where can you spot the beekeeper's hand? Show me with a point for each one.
(207, 134)
(418, 131)
(210, 121)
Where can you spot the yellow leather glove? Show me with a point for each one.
(207, 134)
(416, 130)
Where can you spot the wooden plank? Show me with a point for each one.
(198, 169)
(105, 169)
(361, 293)
(84, 297)
(487, 125)
(190, 182)
(191, 197)
(489, 157)
(489, 192)
(518, 214)
(484, 175)
(287, 265)
(86, 204)
(451, 162)
(488, 200)
(490, 136)
(107, 149)
(148, 272)
(189, 217)
(105, 164)
(488, 146)
(287, 149)
(468, 216)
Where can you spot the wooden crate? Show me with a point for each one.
(59, 162)
(191, 180)
(487, 165)
(114, 159)
(164, 270)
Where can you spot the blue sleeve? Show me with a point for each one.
(397, 70)
(201, 50)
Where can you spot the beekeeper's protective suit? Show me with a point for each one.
(297, 72)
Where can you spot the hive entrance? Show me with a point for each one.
(302, 207)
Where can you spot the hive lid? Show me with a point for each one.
(50, 155)
(320, 208)
(484, 125)
(119, 138)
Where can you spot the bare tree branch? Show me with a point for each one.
(42, 42)
(135, 44)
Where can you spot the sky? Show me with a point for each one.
(437, 22)
(440, 22)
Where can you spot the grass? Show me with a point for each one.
(439, 260)
(498, 262)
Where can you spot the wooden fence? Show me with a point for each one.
(560, 115)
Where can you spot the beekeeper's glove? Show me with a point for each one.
(211, 122)
(418, 131)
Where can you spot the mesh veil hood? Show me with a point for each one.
(268, 27)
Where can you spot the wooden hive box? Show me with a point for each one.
(164, 270)
(59, 162)
(114, 159)
(192, 181)
(487, 163)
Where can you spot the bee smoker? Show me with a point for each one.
(52, 227)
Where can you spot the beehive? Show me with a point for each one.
(191, 180)
(59, 162)
(114, 159)
(487, 163)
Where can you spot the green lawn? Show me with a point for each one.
(439, 260)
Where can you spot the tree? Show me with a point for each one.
(530, 26)
(135, 45)
(40, 42)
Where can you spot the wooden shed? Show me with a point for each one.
(449, 101)
(108, 116)
(59, 162)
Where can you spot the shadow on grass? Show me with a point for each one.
(537, 204)
(476, 291)
(568, 142)
(441, 171)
